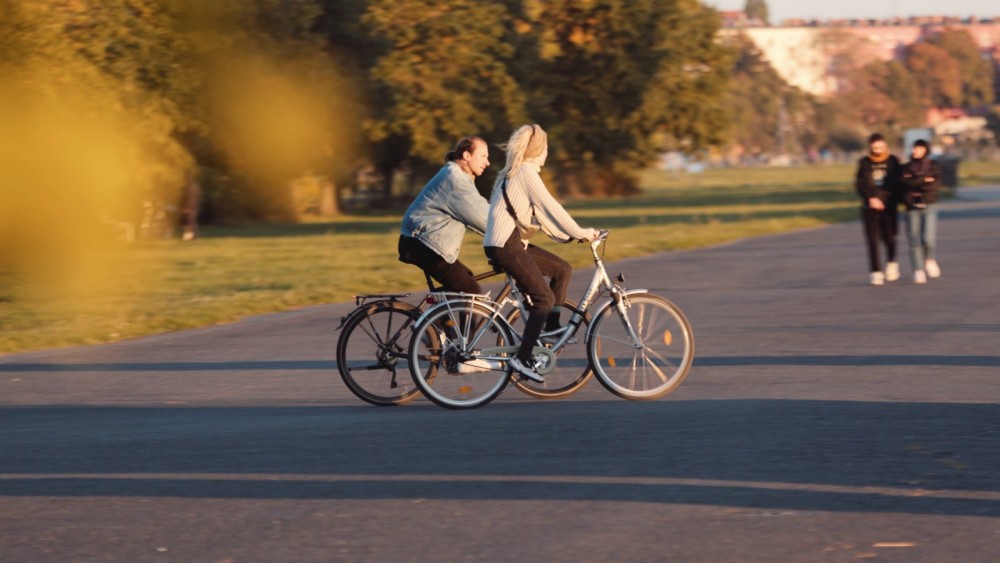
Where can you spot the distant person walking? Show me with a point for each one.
(877, 183)
(920, 179)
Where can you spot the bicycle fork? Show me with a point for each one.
(622, 305)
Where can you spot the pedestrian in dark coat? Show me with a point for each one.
(877, 184)
(920, 180)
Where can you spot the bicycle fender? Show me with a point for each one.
(606, 305)
(488, 305)
(363, 309)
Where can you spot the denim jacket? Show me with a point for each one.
(444, 208)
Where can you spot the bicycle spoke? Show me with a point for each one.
(666, 362)
(369, 354)
(628, 343)
(373, 334)
(663, 377)
(462, 380)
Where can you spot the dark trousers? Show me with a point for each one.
(880, 226)
(454, 277)
(529, 267)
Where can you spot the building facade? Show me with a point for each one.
(806, 53)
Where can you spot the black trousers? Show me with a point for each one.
(529, 267)
(454, 277)
(880, 226)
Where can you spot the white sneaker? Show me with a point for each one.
(527, 371)
(892, 271)
(933, 270)
(876, 278)
(919, 277)
(478, 365)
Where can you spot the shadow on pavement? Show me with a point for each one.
(330, 365)
(797, 449)
(880, 360)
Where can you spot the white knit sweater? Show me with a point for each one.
(531, 201)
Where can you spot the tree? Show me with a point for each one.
(85, 138)
(993, 123)
(940, 83)
(757, 10)
(768, 115)
(615, 82)
(269, 97)
(443, 76)
(884, 96)
(755, 99)
(976, 71)
(241, 89)
(354, 51)
(107, 67)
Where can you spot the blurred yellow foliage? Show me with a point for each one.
(68, 167)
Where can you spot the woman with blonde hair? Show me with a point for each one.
(520, 206)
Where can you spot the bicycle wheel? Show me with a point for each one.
(572, 371)
(372, 353)
(654, 365)
(453, 356)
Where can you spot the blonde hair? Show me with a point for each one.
(527, 141)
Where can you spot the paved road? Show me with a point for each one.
(824, 420)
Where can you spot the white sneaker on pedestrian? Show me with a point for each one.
(876, 278)
(933, 270)
(525, 370)
(892, 271)
(919, 277)
(477, 365)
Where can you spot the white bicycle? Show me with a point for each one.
(639, 345)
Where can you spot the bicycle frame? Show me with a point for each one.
(510, 294)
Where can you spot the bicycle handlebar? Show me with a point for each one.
(601, 237)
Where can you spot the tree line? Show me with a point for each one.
(947, 70)
(239, 98)
(245, 95)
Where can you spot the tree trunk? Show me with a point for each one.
(388, 173)
(189, 207)
(329, 204)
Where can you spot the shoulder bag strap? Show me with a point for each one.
(510, 207)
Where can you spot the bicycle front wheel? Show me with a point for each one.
(454, 359)
(372, 354)
(652, 363)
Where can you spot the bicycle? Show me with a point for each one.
(644, 356)
(373, 346)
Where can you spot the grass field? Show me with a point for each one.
(158, 286)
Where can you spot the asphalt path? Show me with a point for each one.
(824, 420)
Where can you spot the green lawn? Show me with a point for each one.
(151, 287)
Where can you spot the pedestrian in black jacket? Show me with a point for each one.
(920, 190)
(877, 183)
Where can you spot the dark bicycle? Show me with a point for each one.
(373, 347)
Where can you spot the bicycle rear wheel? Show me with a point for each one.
(650, 367)
(572, 371)
(372, 353)
(450, 357)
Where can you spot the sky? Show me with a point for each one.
(861, 9)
